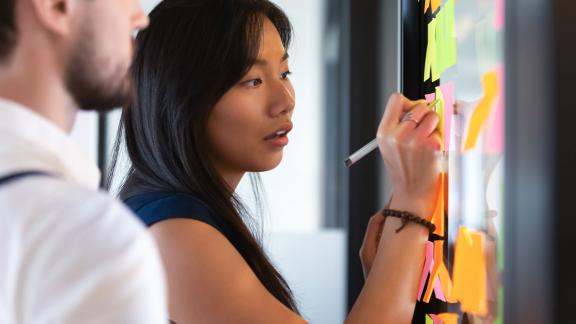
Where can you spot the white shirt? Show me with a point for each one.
(68, 253)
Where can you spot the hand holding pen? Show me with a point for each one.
(372, 145)
(409, 143)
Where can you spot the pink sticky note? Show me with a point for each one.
(498, 14)
(430, 97)
(435, 318)
(438, 291)
(428, 264)
(449, 97)
(495, 140)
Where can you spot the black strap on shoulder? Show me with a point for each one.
(16, 176)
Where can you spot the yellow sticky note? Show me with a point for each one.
(469, 277)
(429, 320)
(430, 62)
(448, 318)
(438, 260)
(482, 111)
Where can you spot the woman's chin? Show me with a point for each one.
(267, 164)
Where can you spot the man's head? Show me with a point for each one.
(87, 43)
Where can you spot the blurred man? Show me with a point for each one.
(68, 254)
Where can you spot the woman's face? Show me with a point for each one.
(248, 127)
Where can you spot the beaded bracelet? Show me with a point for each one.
(407, 217)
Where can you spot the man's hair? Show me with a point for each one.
(7, 28)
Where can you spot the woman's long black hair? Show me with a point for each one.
(192, 53)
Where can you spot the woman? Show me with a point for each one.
(214, 102)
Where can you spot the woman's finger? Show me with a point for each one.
(373, 228)
(428, 124)
(369, 246)
(412, 118)
(397, 105)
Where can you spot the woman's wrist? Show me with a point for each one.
(420, 207)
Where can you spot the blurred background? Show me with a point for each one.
(347, 57)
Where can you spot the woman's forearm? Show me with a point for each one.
(389, 294)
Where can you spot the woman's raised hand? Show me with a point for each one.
(409, 143)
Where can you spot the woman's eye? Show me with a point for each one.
(253, 82)
(286, 74)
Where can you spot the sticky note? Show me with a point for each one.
(495, 131)
(435, 319)
(429, 320)
(448, 318)
(426, 5)
(448, 95)
(430, 62)
(435, 4)
(438, 259)
(428, 263)
(439, 291)
(482, 111)
(498, 14)
(446, 283)
(440, 111)
(439, 207)
(445, 37)
(469, 278)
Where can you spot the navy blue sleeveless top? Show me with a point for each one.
(154, 207)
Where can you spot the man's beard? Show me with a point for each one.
(87, 83)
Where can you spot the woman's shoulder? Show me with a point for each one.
(153, 207)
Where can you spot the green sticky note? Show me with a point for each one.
(445, 37)
(430, 63)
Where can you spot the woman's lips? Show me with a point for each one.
(279, 137)
(278, 141)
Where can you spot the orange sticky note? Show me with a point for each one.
(439, 208)
(448, 318)
(482, 111)
(495, 129)
(438, 259)
(435, 4)
(469, 277)
(426, 5)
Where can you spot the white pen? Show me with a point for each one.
(358, 155)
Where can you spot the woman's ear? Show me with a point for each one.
(55, 16)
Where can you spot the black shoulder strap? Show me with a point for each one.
(20, 175)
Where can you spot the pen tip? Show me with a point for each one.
(348, 162)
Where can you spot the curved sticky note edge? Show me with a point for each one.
(482, 111)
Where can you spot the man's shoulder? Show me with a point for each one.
(68, 208)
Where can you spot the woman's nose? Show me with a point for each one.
(283, 100)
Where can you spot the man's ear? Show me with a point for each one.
(56, 16)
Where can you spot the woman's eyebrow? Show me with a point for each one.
(265, 62)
